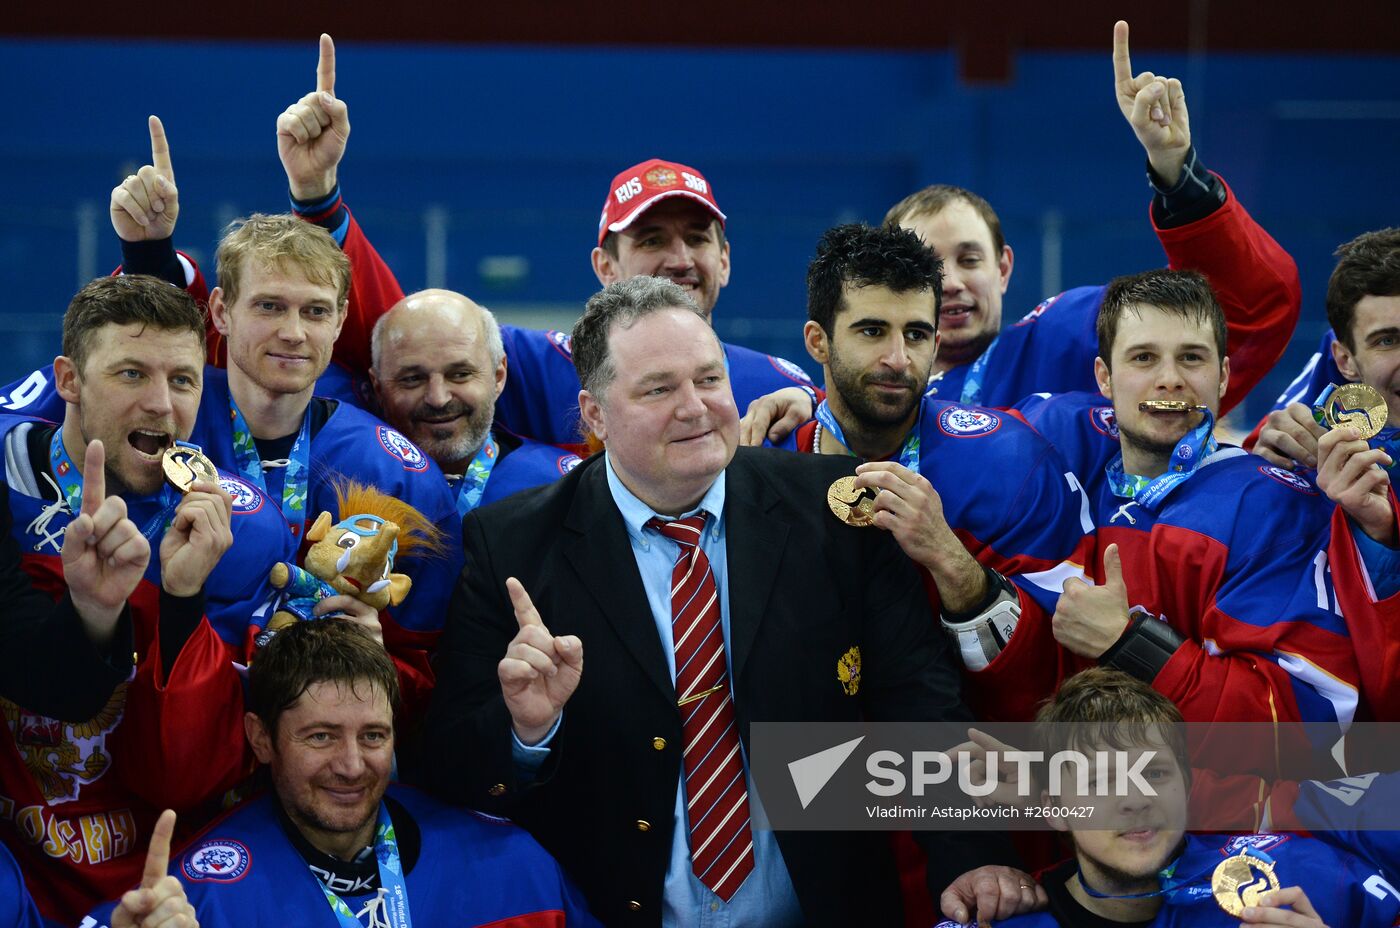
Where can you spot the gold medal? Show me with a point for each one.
(186, 464)
(1239, 881)
(851, 504)
(1357, 405)
(1169, 406)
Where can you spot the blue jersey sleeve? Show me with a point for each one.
(1320, 371)
(1347, 813)
(16, 907)
(1009, 496)
(753, 374)
(239, 583)
(540, 399)
(1050, 350)
(34, 395)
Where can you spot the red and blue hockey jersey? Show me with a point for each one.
(1235, 560)
(77, 800)
(1343, 888)
(471, 870)
(1052, 348)
(1372, 618)
(1006, 493)
(354, 444)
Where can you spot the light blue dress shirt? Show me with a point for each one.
(766, 898)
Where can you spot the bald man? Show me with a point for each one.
(438, 366)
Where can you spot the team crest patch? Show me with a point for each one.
(221, 860)
(563, 342)
(789, 370)
(403, 449)
(568, 462)
(661, 177)
(246, 497)
(848, 671)
(1288, 478)
(1260, 842)
(1104, 421)
(961, 422)
(63, 757)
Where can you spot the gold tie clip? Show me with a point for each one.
(696, 697)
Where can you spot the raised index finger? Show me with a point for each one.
(94, 477)
(1122, 64)
(160, 149)
(325, 68)
(525, 612)
(158, 855)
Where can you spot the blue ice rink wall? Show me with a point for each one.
(483, 168)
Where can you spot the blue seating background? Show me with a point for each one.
(514, 148)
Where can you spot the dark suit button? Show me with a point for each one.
(643, 825)
(498, 790)
(658, 744)
(634, 906)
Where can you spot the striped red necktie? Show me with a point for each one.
(717, 797)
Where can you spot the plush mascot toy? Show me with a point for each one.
(354, 556)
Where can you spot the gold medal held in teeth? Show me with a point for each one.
(184, 466)
(852, 504)
(1239, 881)
(1169, 406)
(1357, 405)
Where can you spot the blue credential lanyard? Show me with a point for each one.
(1150, 492)
(908, 454)
(1387, 439)
(391, 881)
(1171, 884)
(70, 484)
(473, 483)
(294, 481)
(972, 383)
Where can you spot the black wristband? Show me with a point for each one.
(1196, 194)
(156, 258)
(1144, 647)
(179, 617)
(996, 586)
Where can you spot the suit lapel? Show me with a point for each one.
(597, 546)
(754, 547)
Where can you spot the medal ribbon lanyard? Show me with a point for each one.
(1150, 492)
(908, 453)
(1171, 884)
(473, 483)
(298, 473)
(392, 889)
(70, 484)
(972, 383)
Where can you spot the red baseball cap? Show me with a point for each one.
(641, 186)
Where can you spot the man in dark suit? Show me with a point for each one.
(712, 589)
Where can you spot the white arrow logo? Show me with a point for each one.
(811, 773)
